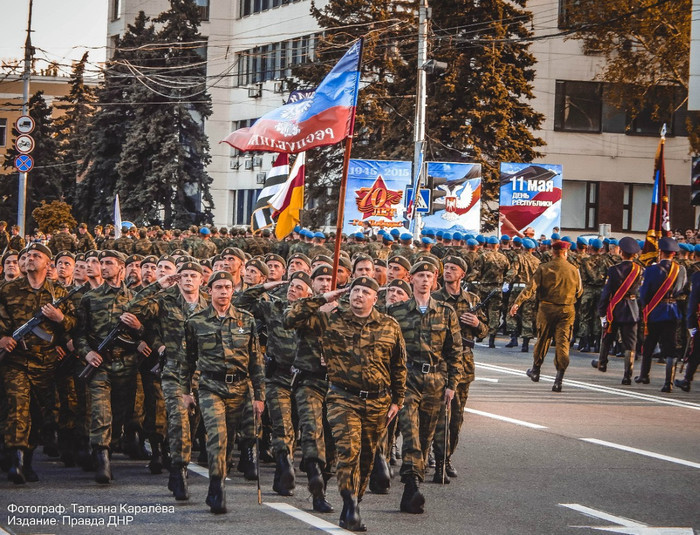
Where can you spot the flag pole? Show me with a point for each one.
(344, 177)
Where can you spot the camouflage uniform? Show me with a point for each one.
(4, 240)
(367, 372)
(143, 246)
(62, 241)
(593, 271)
(492, 267)
(85, 243)
(17, 242)
(434, 361)
(519, 274)
(124, 244)
(202, 249)
(159, 246)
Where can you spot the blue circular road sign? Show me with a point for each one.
(24, 163)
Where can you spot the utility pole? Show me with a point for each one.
(419, 126)
(28, 54)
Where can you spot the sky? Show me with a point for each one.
(63, 30)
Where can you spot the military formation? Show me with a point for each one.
(157, 344)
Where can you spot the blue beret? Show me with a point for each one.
(581, 240)
(480, 239)
(381, 232)
(204, 230)
(422, 232)
(606, 241)
(430, 233)
(528, 243)
(297, 229)
(395, 232)
(358, 236)
(406, 236)
(472, 242)
(505, 237)
(387, 237)
(556, 236)
(697, 248)
(641, 243)
(319, 235)
(457, 236)
(596, 244)
(469, 236)
(613, 241)
(547, 242)
(567, 239)
(518, 239)
(492, 240)
(427, 240)
(573, 245)
(447, 236)
(440, 233)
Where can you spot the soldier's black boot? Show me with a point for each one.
(439, 470)
(643, 376)
(156, 463)
(246, 461)
(283, 483)
(629, 367)
(350, 517)
(585, 345)
(526, 345)
(265, 453)
(670, 374)
(16, 471)
(29, 474)
(317, 487)
(412, 500)
(103, 472)
(216, 498)
(449, 469)
(492, 340)
(596, 344)
(683, 384)
(66, 444)
(534, 373)
(600, 364)
(85, 459)
(178, 477)
(513, 340)
(380, 478)
(556, 387)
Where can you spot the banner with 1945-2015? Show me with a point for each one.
(375, 195)
(530, 197)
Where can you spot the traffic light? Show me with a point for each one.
(436, 193)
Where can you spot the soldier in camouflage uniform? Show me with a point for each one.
(10, 266)
(492, 267)
(435, 368)
(143, 245)
(222, 345)
(16, 241)
(166, 306)
(203, 247)
(521, 270)
(365, 355)
(85, 241)
(593, 271)
(471, 326)
(62, 241)
(112, 388)
(28, 370)
(4, 236)
(124, 244)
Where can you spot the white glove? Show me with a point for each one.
(506, 286)
(604, 321)
(693, 331)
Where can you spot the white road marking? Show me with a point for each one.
(487, 379)
(597, 388)
(506, 419)
(624, 525)
(204, 472)
(642, 452)
(306, 517)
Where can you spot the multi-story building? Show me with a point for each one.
(608, 166)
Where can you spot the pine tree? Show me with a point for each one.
(71, 127)
(42, 183)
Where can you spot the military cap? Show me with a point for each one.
(492, 240)
(427, 241)
(150, 259)
(167, 258)
(472, 242)
(387, 238)
(380, 262)
(480, 238)
(400, 260)
(223, 230)
(344, 262)
(428, 258)
(359, 236)
(302, 276)
(423, 266)
(83, 225)
(606, 241)
(322, 258)
(505, 237)
(572, 245)
(440, 234)
(234, 251)
(297, 229)
(205, 263)
(430, 233)
(179, 252)
(555, 236)
(518, 239)
(446, 235)
(259, 265)
(36, 246)
(613, 241)
(64, 253)
(189, 266)
(395, 232)
(361, 258)
(367, 282)
(561, 245)
(92, 253)
(596, 244)
(319, 235)
(546, 242)
(80, 257)
(322, 270)
(629, 245)
(22, 252)
(133, 258)
(219, 275)
(399, 283)
(469, 236)
(456, 260)
(110, 253)
(186, 258)
(581, 240)
(272, 257)
(302, 257)
(668, 245)
(566, 238)
(457, 236)
(205, 231)
(406, 236)
(8, 253)
(528, 243)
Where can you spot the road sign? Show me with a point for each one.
(25, 124)
(24, 163)
(423, 200)
(24, 143)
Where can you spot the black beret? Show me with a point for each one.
(456, 260)
(92, 254)
(322, 258)
(110, 253)
(259, 265)
(361, 258)
(219, 275)
(150, 259)
(302, 257)
(344, 262)
(80, 257)
(179, 252)
(301, 275)
(233, 251)
(321, 270)
(167, 258)
(10, 252)
(400, 260)
(423, 266)
(64, 253)
(368, 282)
(272, 257)
(41, 248)
(399, 283)
(133, 258)
(189, 266)
(379, 262)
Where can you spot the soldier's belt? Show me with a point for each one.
(362, 394)
(423, 367)
(305, 374)
(228, 378)
(467, 342)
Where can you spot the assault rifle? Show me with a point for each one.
(466, 342)
(33, 325)
(117, 333)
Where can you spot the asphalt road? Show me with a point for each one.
(598, 457)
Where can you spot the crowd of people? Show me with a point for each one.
(206, 338)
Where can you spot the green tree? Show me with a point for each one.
(646, 46)
(71, 127)
(42, 183)
(51, 216)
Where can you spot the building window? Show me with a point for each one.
(248, 7)
(116, 9)
(3, 132)
(578, 106)
(274, 61)
(636, 204)
(203, 6)
(572, 214)
(243, 203)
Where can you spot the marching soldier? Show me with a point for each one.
(222, 345)
(618, 308)
(522, 268)
(557, 285)
(593, 269)
(492, 267)
(662, 283)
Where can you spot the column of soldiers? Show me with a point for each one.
(218, 341)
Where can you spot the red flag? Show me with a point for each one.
(289, 200)
(659, 224)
